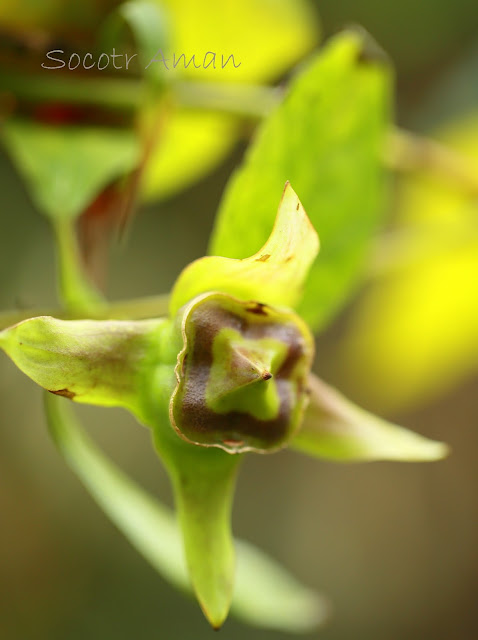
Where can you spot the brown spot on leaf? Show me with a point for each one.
(264, 257)
(66, 393)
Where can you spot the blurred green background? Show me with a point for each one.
(392, 545)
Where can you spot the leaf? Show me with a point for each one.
(149, 26)
(416, 328)
(65, 167)
(265, 594)
(326, 138)
(274, 275)
(336, 429)
(265, 36)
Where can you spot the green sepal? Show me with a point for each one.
(94, 362)
(265, 594)
(203, 481)
(274, 275)
(336, 429)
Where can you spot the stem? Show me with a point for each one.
(249, 101)
(135, 309)
(105, 92)
(76, 292)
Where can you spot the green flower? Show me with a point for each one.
(227, 372)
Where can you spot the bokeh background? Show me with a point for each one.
(393, 545)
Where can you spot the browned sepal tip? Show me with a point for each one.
(66, 393)
(258, 308)
(266, 375)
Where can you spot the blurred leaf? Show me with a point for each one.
(149, 26)
(265, 594)
(274, 275)
(336, 429)
(265, 36)
(415, 332)
(190, 144)
(66, 167)
(326, 138)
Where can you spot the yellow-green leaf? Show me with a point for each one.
(326, 137)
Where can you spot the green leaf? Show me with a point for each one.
(336, 429)
(326, 138)
(415, 330)
(94, 362)
(265, 594)
(65, 167)
(265, 36)
(274, 275)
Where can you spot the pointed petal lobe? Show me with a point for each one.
(274, 275)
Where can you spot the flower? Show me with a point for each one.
(226, 373)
